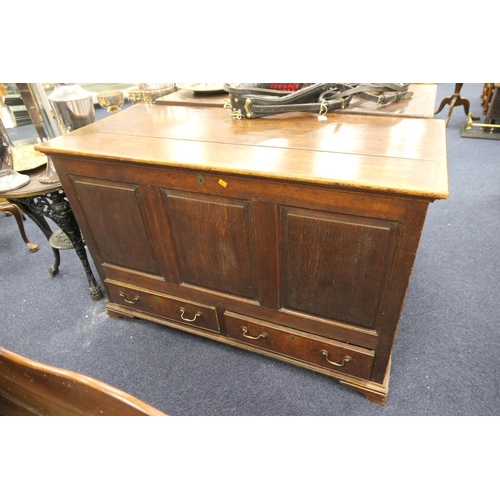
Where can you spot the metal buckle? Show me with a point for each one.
(323, 109)
(381, 100)
(236, 114)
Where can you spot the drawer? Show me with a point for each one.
(171, 308)
(326, 353)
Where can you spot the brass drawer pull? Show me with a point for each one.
(133, 301)
(197, 315)
(345, 359)
(245, 331)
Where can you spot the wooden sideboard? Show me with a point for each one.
(290, 236)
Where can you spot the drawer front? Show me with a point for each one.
(165, 306)
(302, 346)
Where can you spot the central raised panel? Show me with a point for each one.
(335, 266)
(214, 242)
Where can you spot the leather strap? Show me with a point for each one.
(257, 100)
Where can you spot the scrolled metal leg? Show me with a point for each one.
(62, 214)
(70, 227)
(56, 207)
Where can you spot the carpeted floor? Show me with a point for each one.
(445, 358)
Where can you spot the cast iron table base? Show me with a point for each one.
(55, 206)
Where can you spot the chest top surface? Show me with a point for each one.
(383, 154)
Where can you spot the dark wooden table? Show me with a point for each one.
(190, 98)
(38, 201)
(421, 105)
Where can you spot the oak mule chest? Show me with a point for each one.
(291, 236)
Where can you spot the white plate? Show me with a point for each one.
(201, 87)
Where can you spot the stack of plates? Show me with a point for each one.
(16, 105)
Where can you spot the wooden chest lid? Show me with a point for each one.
(374, 153)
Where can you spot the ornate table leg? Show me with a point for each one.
(55, 206)
(44, 227)
(12, 209)
(455, 100)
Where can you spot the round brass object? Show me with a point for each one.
(112, 101)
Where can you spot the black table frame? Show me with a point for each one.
(55, 206)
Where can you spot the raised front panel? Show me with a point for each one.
(115, 218)
(335, 266)
(214, 242)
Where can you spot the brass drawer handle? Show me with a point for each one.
(345, 359)
(197, 315)
(133, 301)
(245, 331)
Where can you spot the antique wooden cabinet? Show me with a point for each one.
(292, 236)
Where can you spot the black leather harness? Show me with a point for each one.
(256, 100)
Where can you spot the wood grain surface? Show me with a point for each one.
(385, 154)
